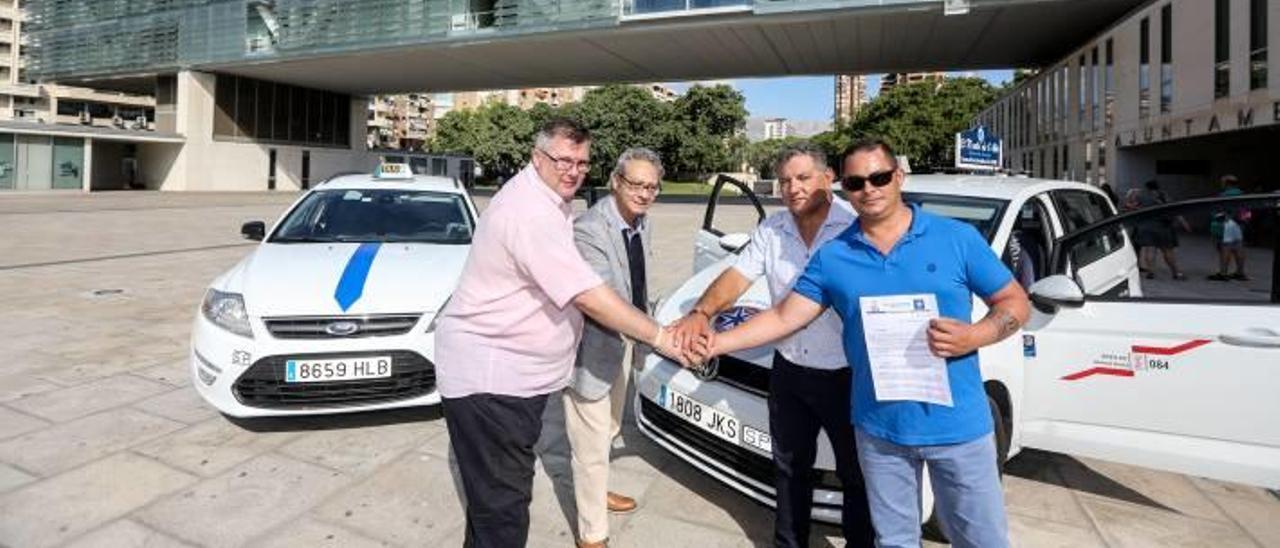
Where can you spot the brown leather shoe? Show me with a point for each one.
(619, 503)
(601, 544)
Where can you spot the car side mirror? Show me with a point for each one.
(253, 230)
(1056, 291)
(734, 242)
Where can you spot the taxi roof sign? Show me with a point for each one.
(393, 171)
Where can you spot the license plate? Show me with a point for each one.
(345, 369)
(719, 423)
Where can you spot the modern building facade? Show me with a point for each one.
(272, 94)
(400, 122)
(893, 79)
(1179, 91)
(851, 96)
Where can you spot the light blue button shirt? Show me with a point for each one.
(778, 253)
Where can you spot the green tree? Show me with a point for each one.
(921, 120)
(762, 154)
(619, 117)
(699, 135)
(497, 135)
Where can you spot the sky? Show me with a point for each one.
(807, 97)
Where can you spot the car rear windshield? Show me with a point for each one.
(982, 213)
(378, 215)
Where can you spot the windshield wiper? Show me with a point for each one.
(301, 240)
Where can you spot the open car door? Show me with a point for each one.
(717, 240)
(1182, 375)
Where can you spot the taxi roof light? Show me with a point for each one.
(393, 171)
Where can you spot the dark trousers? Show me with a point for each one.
(492, 437)
(803, 401)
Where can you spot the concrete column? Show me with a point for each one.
(86, 171)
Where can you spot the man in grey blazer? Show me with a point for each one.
(614, 238)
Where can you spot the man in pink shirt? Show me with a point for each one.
(508, 337)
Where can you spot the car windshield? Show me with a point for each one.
(982, 213)
(378, 215)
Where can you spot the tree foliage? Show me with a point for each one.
(920, 120)
(698, 134)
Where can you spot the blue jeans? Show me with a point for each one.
(966, 489)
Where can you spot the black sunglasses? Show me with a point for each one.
(854, 183)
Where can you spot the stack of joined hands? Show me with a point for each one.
(689, 340)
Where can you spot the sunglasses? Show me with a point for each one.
(854, 183)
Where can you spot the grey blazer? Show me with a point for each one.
(598, 235)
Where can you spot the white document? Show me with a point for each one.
(896, 328)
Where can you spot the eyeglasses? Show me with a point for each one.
(639, 188)
(563, 165)
(854, 183)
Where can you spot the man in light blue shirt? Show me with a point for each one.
(809, 381)
(896, 249)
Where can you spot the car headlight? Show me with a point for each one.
(431, 327)
(226, 310)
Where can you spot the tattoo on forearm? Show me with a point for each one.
(1006, 324)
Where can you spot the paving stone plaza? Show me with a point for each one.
(103, 441)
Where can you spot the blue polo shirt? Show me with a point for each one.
(937, 255)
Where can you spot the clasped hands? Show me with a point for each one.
(689, 340)
(692, 342)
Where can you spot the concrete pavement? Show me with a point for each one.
(103, 442)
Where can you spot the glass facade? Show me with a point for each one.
(1221, 48)
(1166, 59)
(41, 162)
(279, 113)
(90, 37)
(1144, 68)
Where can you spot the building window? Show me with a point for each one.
(1108, 84)
(270, 112)
(1221, 48)
(1166, 59)
(1082, 86)
(1257, 44)
(1144, 68)
(1095, 86)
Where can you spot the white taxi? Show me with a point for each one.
(1178, 375)
(334, 310)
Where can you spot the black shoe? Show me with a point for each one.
(1219, 277)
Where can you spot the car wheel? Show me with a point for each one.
(932, 528)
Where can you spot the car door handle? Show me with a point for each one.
(1253, 336)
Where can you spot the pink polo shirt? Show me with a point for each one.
(510, 327)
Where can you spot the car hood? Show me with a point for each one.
(683, 298)
(303, 279)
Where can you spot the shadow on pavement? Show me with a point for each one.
(339, 421)
(1067, 472)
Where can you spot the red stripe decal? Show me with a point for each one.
(1113, 371)
(1169, 351)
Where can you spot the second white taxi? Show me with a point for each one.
(1172, 374)
(334, 310)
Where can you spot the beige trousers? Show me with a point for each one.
(591, 426)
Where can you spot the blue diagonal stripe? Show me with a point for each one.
(351, 285)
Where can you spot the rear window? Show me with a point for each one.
(982, 213)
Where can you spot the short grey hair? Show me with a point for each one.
(638, 154)
(561, 127)
(802, 148)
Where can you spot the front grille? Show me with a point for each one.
(314, 327)
(263, 384)
(744, 374)
(737, 458)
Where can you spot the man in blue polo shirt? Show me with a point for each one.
(896, 249)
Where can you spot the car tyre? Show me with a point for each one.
(932, 528)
